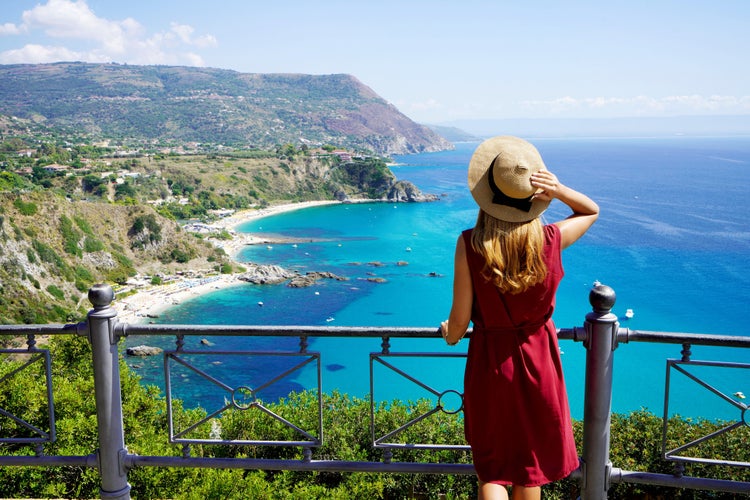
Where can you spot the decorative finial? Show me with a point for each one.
(101, 295)
(602, 298)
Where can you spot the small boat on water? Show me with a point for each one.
(629, 313)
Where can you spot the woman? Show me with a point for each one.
(507, 268)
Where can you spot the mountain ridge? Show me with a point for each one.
(213, 105)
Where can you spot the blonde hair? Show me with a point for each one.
(512, 252)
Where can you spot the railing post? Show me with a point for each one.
(601, 341)
(112, 451)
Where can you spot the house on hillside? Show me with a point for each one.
(344, 156)
(55, 168)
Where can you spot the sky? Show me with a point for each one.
(437, 61)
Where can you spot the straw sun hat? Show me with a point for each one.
(499, 179)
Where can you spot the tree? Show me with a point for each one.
(90, 182)
(124, 190)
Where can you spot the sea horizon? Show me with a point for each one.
(672, 241)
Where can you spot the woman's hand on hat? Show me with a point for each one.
(547, 182)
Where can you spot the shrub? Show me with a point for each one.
(70, 236)
(46, 253)
(56, 292)
(91, 244)
(636, 439)
(83, 225)
(144, 231)
(25, 208)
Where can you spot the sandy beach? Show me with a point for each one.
(150, 300)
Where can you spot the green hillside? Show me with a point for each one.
(160, 104)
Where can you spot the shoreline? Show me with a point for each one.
(149, 301)
(239, 240)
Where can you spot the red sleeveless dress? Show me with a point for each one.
(517, 418)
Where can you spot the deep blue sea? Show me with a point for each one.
(673, 241)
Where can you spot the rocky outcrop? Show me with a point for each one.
(259, 274)
(143, 350)
(311, 277)
(371, 178)
(405, 191)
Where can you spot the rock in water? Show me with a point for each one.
(143, 350)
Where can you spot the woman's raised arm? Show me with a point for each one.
(585, 210)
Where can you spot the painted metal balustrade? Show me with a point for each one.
(601, 336)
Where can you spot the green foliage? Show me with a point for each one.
(46, 253)
(222, 235)
(64, 228)
(124, 191)
(123, 261)
(91, 183)
(261, 182)
(371, 176)
(91, 244)
(56, 292)
(144, 231)
(83, 275)
(70, 236)
(12, 182)
(25, 208)
(180, 255)
(635, 443)
(83, 225)
(124, 270)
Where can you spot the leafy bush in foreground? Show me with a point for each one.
(636, 444)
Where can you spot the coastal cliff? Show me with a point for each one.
(111, 222)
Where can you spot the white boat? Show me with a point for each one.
(629, 313)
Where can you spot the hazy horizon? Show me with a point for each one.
(649, 126)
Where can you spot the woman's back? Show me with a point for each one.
(494, 309)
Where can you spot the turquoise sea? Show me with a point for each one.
(673, 241)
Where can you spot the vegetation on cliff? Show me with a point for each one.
(52, 250)
(74, 216)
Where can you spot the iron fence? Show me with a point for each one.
(601, 335)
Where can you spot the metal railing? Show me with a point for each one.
(601, 335)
